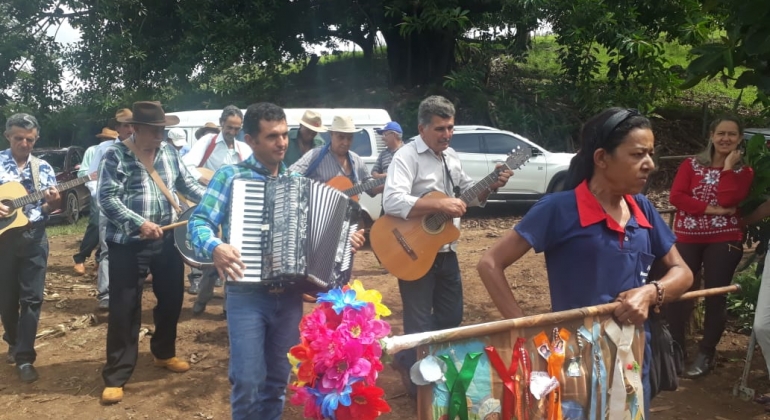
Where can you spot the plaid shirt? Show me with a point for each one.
(214, 208)
(128, 196)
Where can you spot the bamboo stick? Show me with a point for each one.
(395, 344)
(173, 225)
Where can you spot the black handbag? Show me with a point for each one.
(667, 357)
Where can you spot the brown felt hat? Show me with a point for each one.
(149, 113)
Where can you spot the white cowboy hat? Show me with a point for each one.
(312, 120)
(344, 124)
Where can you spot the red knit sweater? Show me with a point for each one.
(696, 187)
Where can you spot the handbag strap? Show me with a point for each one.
(153, 174)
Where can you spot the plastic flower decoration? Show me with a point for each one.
(338, 360)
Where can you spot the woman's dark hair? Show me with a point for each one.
(606, 130)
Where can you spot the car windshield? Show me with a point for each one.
(55, 159)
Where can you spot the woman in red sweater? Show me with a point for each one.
(706, 192)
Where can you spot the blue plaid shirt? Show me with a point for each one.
(214, 208)
(9, 172)
(128, 196)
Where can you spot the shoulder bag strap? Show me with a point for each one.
(34, 166)
(209, 150)
(154, 175)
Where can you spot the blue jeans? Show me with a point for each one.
(262, 326)
(432, 302)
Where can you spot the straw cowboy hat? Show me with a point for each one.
(123, 113)
(209, 127)
(312, 120)
(344, 124)
(149, 113)
(107, 134)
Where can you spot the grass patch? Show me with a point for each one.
(64, 228)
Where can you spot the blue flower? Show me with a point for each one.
(340, 299)
(333, 399)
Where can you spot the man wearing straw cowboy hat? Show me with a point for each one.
(208, 128)
(90, 239)
(334, 159)
(137, 181)
(305, 138)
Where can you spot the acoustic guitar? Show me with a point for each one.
(345, 185)
(407, 248)
(14, 196)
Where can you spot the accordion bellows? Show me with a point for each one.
(292, 229)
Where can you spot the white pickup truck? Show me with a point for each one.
(366, 143)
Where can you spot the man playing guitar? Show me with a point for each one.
(213, 151)
(137, 180)
(335, 159)
(428, 164)
(24, 252)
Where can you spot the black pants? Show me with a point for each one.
(91, 237)
(23, 262)
(127, 261)
(719, 261)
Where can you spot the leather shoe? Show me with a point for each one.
(700, 367)
(27, 373)
(80, 269)
(112, 395)
(11, 358)
(104, 305)
(199, 308)
(173, 364)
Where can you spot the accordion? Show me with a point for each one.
(291, 230)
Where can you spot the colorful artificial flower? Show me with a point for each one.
(338, 359)
(366, 403)
(372, 296)
(341, 299)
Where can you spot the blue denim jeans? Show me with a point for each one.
(262, 326)
(432, 302)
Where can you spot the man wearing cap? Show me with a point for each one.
(305, 138)
(208, 128)
(138, 179)
(90, 239)
(335, 159)
(178, 138)
(212, 152)
(24, 251)
(392, 134)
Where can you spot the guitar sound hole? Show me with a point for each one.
(7, 203)
(432, 226)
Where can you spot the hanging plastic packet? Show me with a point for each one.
(542, 384)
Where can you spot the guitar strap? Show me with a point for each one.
(209, 150)
(455, 188)
(34, 166)
(154, 175)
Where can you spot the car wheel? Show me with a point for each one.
(72, 208)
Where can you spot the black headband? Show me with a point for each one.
(614, 121)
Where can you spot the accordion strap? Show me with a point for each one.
(261, 171)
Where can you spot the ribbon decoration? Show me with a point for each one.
(457, 383)
(512, 396)
(599, 376)
(553, 352)
(626, 370)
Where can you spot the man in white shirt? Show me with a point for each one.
(90, 239)
(435, 301)
(212, 152)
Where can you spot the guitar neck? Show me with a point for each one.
(37, 196)
(469, 195)
(366, 186)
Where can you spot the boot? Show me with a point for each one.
(700, 367)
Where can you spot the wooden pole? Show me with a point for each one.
(173, 225)
(395, 344)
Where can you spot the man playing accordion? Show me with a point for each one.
(262, 320)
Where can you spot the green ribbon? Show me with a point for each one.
(457, 383)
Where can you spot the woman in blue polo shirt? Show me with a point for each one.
(600, 236)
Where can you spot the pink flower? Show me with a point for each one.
(303, 396)
(322, 319)
(361, 325)
(328, 346)
(352, 364)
